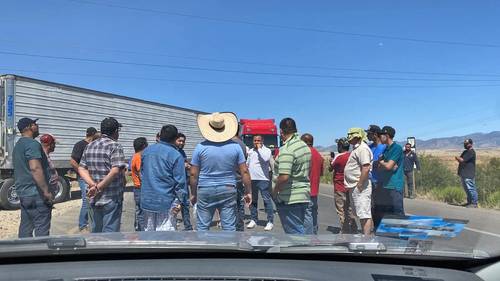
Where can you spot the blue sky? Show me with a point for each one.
(323, 105)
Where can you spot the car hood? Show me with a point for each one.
(232, 241)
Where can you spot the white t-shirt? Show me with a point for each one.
(258, 163)
(361, 155)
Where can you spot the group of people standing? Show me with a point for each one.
(368, 180)
(158, 174)
(223, 176)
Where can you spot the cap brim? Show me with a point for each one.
(229, 131)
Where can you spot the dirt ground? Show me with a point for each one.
(9, 220)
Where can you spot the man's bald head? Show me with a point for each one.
(308, 139)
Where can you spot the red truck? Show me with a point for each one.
(264, 127)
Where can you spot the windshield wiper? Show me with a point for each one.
(341, 247)
(53, 243)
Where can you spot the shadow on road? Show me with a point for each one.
(75, 194)
(333, 229)
(458, 204)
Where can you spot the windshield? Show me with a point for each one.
(123, 117)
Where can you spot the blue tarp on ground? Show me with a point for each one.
(420, 227)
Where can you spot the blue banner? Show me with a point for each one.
(420, 227)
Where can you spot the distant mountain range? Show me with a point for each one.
(481, 140)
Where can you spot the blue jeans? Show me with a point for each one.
(409, 182)
(311, 219)
(262, 186)
(386, 202)
(240, 207)
(469, 186)
(35, 217)
(139, 222)
(222, 198)
(186, 216)
(83, 220)
(106, 218)
(292, 217)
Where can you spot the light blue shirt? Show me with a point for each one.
(218, 162)
(377, 151)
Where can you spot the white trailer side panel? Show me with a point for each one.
(66, 112)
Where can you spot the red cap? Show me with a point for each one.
(47, 139)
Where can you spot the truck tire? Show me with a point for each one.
(61, 194)
(8, 195)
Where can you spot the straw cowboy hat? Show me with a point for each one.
(218, 126)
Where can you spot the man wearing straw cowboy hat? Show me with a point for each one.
(213, 166)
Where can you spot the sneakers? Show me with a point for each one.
(471, 206)
(269, 226)
(251, 224)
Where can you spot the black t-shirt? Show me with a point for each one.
(78, 150)
(467, 169)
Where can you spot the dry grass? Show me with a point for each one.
(447, 156)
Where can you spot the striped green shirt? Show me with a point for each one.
(294, 159)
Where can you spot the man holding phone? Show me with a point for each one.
(102, 167)
(258, 163)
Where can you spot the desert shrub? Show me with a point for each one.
(449, 194)
(327, 175)
(488, 179)
(434, 174)
(493, 200)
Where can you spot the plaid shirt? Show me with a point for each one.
(99, 158)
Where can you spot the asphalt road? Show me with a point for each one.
(481, 233)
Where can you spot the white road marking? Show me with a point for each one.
(474, 229)
(467, 228)
(483, 232)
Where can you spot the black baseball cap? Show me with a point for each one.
(373, 129)
(342, 142)
(109, 125)
(91, 131)
(25, 122)
(388, 130)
